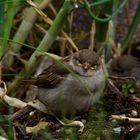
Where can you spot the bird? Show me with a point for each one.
(70, 86)
(127, 66)
(124, 64)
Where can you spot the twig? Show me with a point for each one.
(10, 100)
(22, 113)
(49, 21)
(112, 84)
(122, 77)
(58, 38)
(123, 118)
(36, 128)
(92, 34)
(52, 9)
(136, 99)
(70, 40)
(38, 10)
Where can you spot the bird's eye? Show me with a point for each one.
(93, 67)
(79, 64)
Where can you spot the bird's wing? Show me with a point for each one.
(53, 75)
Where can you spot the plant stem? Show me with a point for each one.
(22, 34)
(107, 18)
(132, 28)
(8, 25)
(44, 46)
(12, 7)
(1, 17)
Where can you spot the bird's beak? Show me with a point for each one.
(86, 66)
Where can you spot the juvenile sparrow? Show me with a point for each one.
(129, 66)
(125, 65)
(72, 86)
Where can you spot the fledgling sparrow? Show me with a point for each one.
(72, 86)
(126, 65)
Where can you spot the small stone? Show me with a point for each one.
(134, 113)
(117, 130)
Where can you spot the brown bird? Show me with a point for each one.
(70, 86)
(124, 64)
(127, 65)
